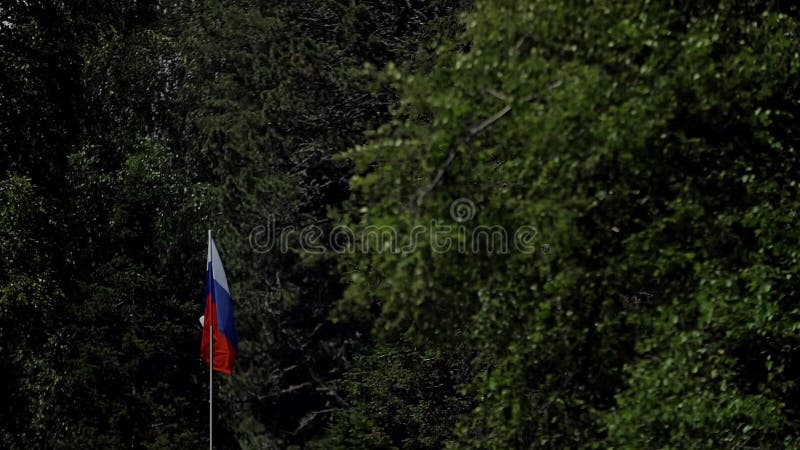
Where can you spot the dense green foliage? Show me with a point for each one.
(128, 129)
(94, 276)
(653, 146)
(273, 91)
(647, 150)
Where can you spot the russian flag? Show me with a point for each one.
(219, 314)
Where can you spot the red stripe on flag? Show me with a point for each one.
(224, 353)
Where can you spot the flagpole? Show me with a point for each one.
(211, 390)
(210, 371)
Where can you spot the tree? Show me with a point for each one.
(94, 285)
(651, 147)
(273, 91)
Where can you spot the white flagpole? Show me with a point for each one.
(211, 390)
(210, 367)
